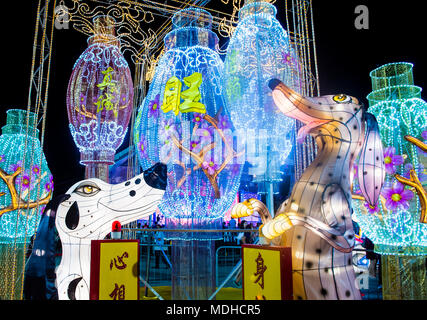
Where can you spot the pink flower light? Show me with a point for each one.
(391, 160)
(397, 197)
(210, 166)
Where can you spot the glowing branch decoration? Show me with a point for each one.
(414, 182)
(17, 202)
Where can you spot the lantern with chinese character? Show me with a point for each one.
(99, 99)
(184, 123)
(260, 50)
(25, 188)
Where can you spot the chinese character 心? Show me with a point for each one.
(119, 263)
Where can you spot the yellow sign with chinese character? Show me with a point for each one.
(267, 273)
(118, 270)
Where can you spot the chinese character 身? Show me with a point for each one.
(260, 269)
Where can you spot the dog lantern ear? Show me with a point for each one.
(371, 163)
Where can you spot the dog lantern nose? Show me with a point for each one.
(156, 176)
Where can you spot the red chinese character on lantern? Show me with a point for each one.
(260, 269)
(118, 293)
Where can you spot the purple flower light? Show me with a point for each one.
(224, 122)
(24, 181)
(198, 117)
(371, 210)
(397, 197)
(424, 134)
(2, 158)
(153, 107)
(205, 133)
(391, 160)
(195, 146)
(142, 149)
(35, 170)
(286, 58)
(210, 166)
(16, 166)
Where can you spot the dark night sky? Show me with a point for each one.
(345, 57)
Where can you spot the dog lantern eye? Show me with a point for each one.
(87, 190)
(341, 98)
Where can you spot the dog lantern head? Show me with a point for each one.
(342, 119)
(93, 204)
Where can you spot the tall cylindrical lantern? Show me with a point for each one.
(260, 50)
(99, 99)
(25, 188)
(394, 225)
(184, 123)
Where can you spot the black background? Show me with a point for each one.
(345, 58)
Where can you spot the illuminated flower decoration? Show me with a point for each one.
(2, 158)
(167, 129)
(24, 181)
(35, 170)
(397, 197)
(197, 118)
(391, 160)
(142, 148)
(224, 122)
(154, 106)
(15, 166)
(372, 209)
(210, 166)
(206, 133)
(287, 58)
(195, 146)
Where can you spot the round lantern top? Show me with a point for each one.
(192, 17)
(192, 27)
(17, 120)
(104, 31)
(257, 7)
(391, 74)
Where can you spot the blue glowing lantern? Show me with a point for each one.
(184, 123)
(260, 50)
(26, 183)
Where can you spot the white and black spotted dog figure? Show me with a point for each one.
(88, 215)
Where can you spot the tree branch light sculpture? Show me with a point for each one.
(99, 99)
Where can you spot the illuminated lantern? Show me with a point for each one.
(184, 123)
(99, 99)
(394, 224)
(260, 50)
(25, 188)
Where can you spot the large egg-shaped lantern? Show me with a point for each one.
(99, 99)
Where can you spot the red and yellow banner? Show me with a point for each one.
(267, 273)
(114, 270)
